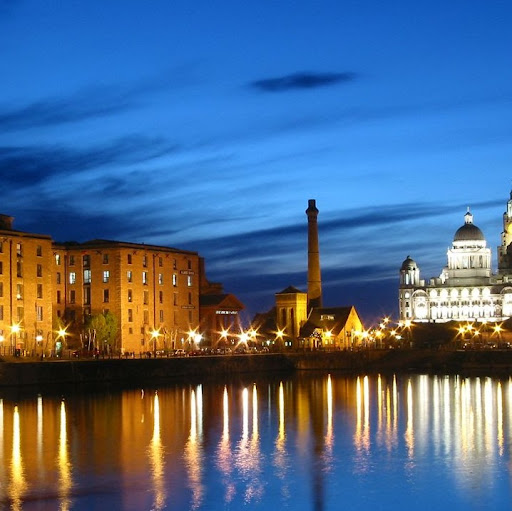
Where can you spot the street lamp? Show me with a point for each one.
(194, 337)
(39, 340)
(328, 338)
(60, 342)
(15, 329)
(154, 337)
(279, 337)
(223, 337)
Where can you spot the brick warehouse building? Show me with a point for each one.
(153, 291)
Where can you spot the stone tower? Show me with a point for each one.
(314, 277)
(505, 249)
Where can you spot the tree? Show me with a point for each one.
(105, 327)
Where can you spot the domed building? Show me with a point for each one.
(466, 289)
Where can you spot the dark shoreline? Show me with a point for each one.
(16, 373)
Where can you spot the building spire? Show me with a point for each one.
(314, 276)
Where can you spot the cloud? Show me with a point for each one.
(32, 165)
(95, 102)
(54, 112)
(302, 80)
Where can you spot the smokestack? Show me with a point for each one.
(314, 278)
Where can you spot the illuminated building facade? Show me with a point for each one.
(467, 289)
(25, 288)
(153, 291)
(219, 312)
(332, 328)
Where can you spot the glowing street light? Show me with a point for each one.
(155, 334)
(60, 340)
(194, 337)
(15, 330)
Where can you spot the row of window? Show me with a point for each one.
(456, 294)
(86, 261)
(19, 291)
(20, 313)
(19, 249)
(19, 269)
(161, 318)
(129, 278)
(106, 297)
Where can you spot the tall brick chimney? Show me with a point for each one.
(314, 277)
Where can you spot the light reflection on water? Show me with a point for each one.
(305, 443)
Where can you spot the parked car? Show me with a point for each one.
(82, 353)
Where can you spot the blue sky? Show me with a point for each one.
(208, 126)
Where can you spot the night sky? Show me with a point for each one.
(208, 125)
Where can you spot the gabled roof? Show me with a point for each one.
(227, 300)
(290, 290)
(330, 318)
(265, 322)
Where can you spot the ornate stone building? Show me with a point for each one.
(466, 289)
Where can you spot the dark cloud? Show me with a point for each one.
(89, 103)
(62, 222)
(301, 81)
(54, 112)
(31, 165)
(373, 297)
(248, 244)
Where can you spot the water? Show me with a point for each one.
(323, 442)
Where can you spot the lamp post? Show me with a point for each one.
(328, 339)
(154, 337)
(14, 331)
(497, 330)
(60, 342)
(197, 340)
(408, 326)
(39, 340)
(279, 338)
(223, 337)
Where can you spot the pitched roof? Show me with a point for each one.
(217, 300)
(289, 290)
(265, 322)
(330, 318)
